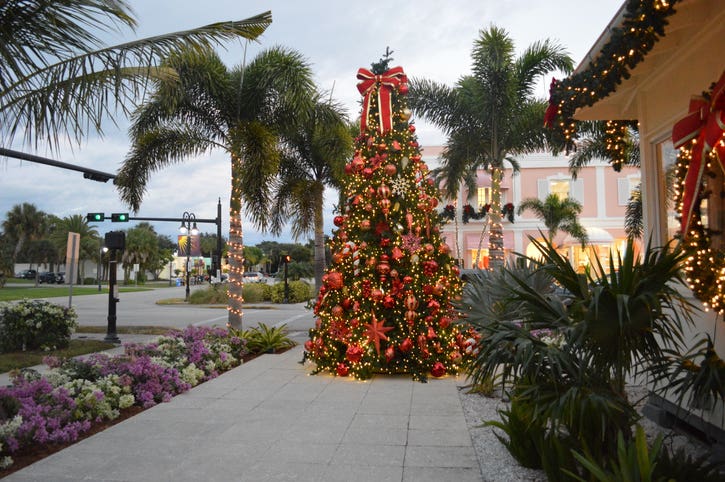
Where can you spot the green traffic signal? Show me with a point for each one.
(95, 217)
(119, 217)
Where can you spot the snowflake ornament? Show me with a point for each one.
(399, 186)
(411, 242)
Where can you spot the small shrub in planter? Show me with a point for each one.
(35, 324)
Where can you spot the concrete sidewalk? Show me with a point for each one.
(270, 420)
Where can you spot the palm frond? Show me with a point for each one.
(74, 94)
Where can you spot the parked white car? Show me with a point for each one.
(253, 277)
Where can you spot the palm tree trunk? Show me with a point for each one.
(480, 241)
(235, 248)
(319, 241)
(495, 238)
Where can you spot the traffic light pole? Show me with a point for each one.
(111, 335)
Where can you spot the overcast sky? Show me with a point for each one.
(430, 39)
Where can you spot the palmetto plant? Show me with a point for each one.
(571, 351)
(57, 78)
(264, 338)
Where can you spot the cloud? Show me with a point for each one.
(430, 39)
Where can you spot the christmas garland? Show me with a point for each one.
(469, 212)
(643, 25)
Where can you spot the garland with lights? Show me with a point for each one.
(643, 25)
(385, 304)
(700, 172)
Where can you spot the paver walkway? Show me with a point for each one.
(270, 420)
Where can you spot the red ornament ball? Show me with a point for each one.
(334, 280)
(354, 353)
(411, 128)
(342, 370)
(438, 370)
(338, 220)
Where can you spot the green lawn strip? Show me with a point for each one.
(12, 293)
(22, 359)
(128, 330)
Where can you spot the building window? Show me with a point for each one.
(625, 187)
(561, 186)
(484, 196)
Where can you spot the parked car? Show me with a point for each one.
(27, 274)
(60, 277)
(253, 277)
(47, 277)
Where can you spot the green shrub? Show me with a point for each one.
(299, 291)
(213, 295)
(35, 324)
(253, 292)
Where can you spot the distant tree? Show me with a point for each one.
(42, 251)
(252, 256)
(142, 248)
(90, 241)
(6, 259)
(24, 223)
(557, 215)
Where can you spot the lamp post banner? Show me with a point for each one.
(195, 245)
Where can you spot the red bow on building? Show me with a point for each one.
(382, 86)
(706, 123)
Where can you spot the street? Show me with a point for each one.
(141, 308)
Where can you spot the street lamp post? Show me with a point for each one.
(189, 230)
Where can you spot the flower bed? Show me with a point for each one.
(79, 394)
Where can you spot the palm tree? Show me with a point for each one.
(557, 215)
(313, 157)
(24, 223)
(57, 79)
(89, 239)
(491, 115)
(240, 111)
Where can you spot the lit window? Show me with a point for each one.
(560, 187)
(484, 196)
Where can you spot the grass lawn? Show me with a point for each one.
(22, 359)
(11, 293)
(128, 330)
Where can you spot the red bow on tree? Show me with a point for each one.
(706, 123)
(383, 86)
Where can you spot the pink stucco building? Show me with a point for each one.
(602, 192)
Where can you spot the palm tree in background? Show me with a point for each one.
(313, 157)
(90, 244)
(491, 115)
(557, 215)
(23, 224)
(241, 111)
(58, 80)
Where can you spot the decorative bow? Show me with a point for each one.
(382, 85)
(706, 123)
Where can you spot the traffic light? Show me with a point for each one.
(95, 217)
(286, 258)
(119, 217)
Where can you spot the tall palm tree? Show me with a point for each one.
(491, 115)
(58, 80)
(240, 111)
(313, 157)
(24, 223)
(557, 215)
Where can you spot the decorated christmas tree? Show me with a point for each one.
(385, 304)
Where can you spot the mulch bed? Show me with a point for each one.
(33, 453)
